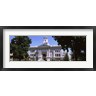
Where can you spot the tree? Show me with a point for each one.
(19, 47)
(66, 57)
(76, 43)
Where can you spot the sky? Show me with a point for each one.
(38, 40)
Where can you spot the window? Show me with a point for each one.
(57, 50)
(31, 54)
(58, 55)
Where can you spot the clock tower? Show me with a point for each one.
(45, 41)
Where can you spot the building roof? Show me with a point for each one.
(44, 45)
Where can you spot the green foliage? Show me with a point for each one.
(76, 43)
(19, 47)
(66, 57)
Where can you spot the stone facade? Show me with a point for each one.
(46, 52)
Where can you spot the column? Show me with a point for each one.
(49, 52)
(54, 53)
(48, 55)
(53, 57)
(61, 54)
(39, 55)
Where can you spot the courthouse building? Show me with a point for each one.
(47, 52)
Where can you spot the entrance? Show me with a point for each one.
(44, 56)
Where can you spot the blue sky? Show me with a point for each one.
(38, 40)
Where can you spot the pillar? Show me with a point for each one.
(48, 55)
(39, 55)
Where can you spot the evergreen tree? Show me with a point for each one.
(19, 47)
(66, 57)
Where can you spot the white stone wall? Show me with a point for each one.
(51, 53)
